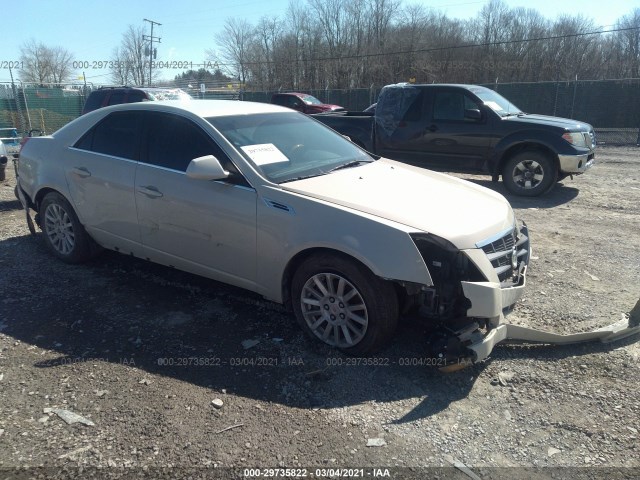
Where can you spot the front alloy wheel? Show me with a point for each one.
(334, 310)
(342, 303)
(529, 173)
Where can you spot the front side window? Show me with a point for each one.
(452, 106)
(496, 102)
(173, 141)
(286, 146)
(116, 135)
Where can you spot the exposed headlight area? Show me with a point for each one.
(448, 266)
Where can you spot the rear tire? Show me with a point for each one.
(64, 235)
(529, 173)
(341, 303)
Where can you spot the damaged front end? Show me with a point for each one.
(473, 289)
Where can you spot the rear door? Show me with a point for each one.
(206, 227)
(100, 170)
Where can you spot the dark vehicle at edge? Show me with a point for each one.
(473, 129)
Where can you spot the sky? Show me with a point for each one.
(90, 30)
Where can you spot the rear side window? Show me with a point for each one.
(94, 101)
(117, 135)
(136, 96)
(116, 98)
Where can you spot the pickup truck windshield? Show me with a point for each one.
(496, 102)
(286, 146)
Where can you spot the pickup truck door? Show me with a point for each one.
(205, 227)
(458, 131)
(444, 128)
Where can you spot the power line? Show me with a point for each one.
(439, 49)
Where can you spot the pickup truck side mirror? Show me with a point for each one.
(473, 114)
(206, 168)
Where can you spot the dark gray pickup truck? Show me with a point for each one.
(473, 129)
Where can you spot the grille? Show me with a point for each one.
(501, 253)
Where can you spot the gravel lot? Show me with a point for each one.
(143, 352)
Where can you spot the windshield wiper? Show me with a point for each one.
(303, 177)
(355, 163)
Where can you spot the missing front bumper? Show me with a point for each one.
(482, 348)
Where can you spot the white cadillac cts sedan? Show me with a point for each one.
(272, 201)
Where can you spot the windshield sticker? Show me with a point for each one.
(493, 105)
(265, 153)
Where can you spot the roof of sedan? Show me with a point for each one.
(206, 108)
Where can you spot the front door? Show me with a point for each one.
(206, 227)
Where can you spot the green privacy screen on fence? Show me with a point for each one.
(612, 106)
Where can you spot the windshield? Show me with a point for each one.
(173, 94)
(287, 146)
(311, 100)
(496, 102)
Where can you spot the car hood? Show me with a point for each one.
(459, 211)
(564, 123)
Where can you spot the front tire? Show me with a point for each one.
(529, 173)
(343, 304)
(64, 235)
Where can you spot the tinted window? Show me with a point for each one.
(94, 101)
(448, 106)
(136, 96)
(451, 106)
(116, 135)
(174, 141)
(116, 98)
(414, 112)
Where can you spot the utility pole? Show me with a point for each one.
(151, 39)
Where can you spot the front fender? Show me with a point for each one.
(521, 140)
(383, 246)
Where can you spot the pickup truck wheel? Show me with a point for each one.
(343, 304)
(529, 173)
(64, 235)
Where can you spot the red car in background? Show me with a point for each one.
(303, 102)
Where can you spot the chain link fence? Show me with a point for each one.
(611, 106)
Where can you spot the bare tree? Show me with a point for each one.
(628, 43)
(359, 43)
(130, 64)
(235, 41)
(44, 64)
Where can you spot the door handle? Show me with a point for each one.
(82, 172)
(150, 191)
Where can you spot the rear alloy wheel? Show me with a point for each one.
(343, 304)
(529, 173)
(64, 235)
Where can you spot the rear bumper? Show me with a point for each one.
(576, 164)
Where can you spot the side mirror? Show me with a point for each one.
(206, 168)
(473, 114)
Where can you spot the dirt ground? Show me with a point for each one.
(142, 353)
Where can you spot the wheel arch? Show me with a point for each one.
(521, 147)
(299, 258)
